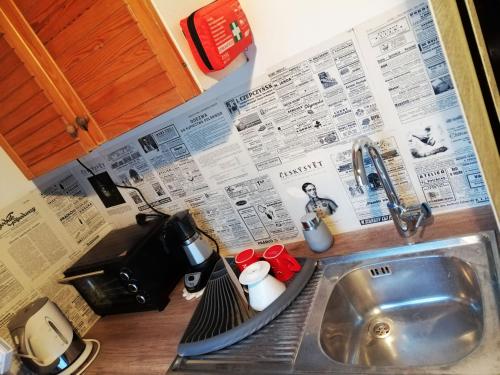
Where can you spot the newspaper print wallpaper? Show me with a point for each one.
(250, 163)
(40, 236)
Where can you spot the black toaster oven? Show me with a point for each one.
(131, 269)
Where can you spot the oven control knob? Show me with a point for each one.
(132, 288)
(140, 298)
(125, 275)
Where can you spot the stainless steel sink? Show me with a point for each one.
(406, 312)
(425, 308)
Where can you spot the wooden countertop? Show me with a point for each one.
(146, 342)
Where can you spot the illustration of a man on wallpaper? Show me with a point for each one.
(322, 206)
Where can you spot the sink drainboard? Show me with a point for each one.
(272, 348)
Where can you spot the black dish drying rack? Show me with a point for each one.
(223, 317)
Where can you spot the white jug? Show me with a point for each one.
(263, 288)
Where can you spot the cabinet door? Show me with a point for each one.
(115, 55)
(33, 131)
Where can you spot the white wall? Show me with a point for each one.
(303, 23)
(13, 184)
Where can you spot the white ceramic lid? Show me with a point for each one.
(254, 272)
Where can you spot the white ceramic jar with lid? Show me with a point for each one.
(316, 232)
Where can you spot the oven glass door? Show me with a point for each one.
(104, 293)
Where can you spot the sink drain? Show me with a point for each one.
(380, 329)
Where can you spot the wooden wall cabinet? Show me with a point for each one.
(74, 74)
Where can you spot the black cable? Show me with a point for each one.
(162, 214)
(126, 187)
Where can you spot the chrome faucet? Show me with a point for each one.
(406, 219)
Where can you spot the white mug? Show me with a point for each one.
(263, 289)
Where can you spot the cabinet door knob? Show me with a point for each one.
(72, 131)
(82, 122)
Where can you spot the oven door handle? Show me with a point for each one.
(69, 279)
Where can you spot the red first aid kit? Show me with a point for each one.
(217, 34)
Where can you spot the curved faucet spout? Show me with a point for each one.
(406, 219)
(358, 165)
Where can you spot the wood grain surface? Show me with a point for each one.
(483, 52)
(169, 58)
(146, 343)
(141, 343)
(31, 127)
(464, 74)
(111, 62)
(41, 65)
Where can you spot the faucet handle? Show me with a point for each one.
(425, 215)
(414, 217)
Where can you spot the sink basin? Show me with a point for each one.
(431, 307)
(404, 312)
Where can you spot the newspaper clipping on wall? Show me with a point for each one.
(130, 168)
(215, 147)
(261, 122)
(404, 46)
(262, 210)
(311, 185)
(214, 213)
(67, 199)
(35, 247)
(168, 154)
(445, 163)
(327, 91)
(403, 49)
(312, 101)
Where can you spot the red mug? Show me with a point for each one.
(245, 258)
(283, 264)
